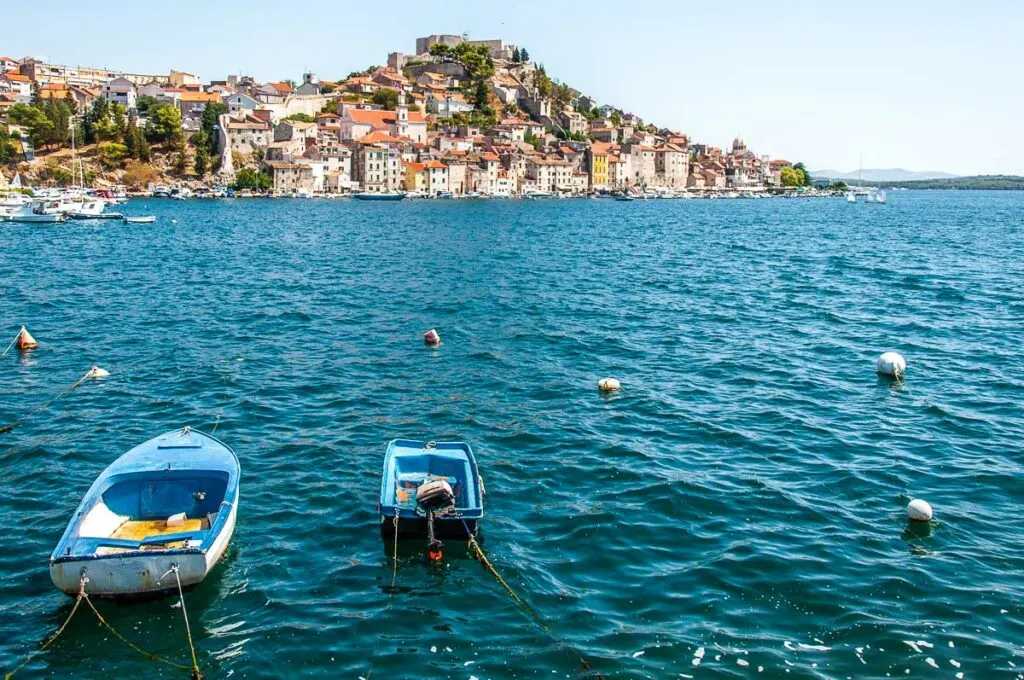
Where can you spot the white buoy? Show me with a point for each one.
(432, 338)
(892, 363)
(919, 510)
(97, 372)
(609, 385)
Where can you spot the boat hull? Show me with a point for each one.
(142, 573)
(444, 529)
(378, 197)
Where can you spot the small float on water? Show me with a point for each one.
(169, 502)
(432, 489)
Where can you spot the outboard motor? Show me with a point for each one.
(434, 498)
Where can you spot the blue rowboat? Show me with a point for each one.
(408, 466)
(372, 196)
(171, 501)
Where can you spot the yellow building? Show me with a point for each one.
(415, 177)
(599, 165)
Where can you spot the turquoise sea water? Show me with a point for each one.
(737, 510)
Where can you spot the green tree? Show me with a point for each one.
(615, 118)
(98, 115)
(301, 117)
(517, 56)
(790, 177)
(164, 123)
(524, 56)
(59, 113)
(33, 121)
(385, 98)
(247, 178)
(202, 162)
(8, 148)
(130, 138)
(805, 175)
(541, 82)
(118, 114)
(208, 124)
(481, 98)
(440, 50)
(327, 88)
(112, 154)
(144, 104)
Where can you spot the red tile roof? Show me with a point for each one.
(380, 118)
(378, 137)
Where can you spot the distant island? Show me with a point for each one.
(978, 182)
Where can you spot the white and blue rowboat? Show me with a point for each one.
(415, 469)
(168, 502)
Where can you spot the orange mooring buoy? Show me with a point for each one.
(432, 338)
(25, 340)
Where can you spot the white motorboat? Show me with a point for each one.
(40, 212)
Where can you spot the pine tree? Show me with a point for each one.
(131, 138)
(517, 56)
(524, 56)
(142, 145)
(202, 162)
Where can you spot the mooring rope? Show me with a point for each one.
(10, 345)
(479, 553)
(196, 675)
(122, 638)
(84, 597)
(75, 385)
(391, 591)
(53, 638)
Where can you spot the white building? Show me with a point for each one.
(121, 91)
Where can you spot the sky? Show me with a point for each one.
(922, 85)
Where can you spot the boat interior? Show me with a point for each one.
(410, 471)
(152, 511)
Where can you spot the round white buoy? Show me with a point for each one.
(609, 385)
(891, 363)
(432, 338)
(174, 221)
(919, 510)
(97, 372)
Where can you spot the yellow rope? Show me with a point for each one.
(50, 641)
(122, 638)
(196, 675)
(479, 552)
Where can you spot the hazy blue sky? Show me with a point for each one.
(924, 85)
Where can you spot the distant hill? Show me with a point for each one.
(882, 175)
(986, 182)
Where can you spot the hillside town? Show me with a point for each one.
(456, 117)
